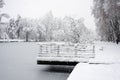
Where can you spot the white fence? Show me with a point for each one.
(67, 50)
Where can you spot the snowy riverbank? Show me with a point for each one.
(11, 40)
(105, 66)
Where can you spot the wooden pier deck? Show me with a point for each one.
(64, 53)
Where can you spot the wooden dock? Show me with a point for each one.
(64, 53)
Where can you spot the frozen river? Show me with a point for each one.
(18, 62)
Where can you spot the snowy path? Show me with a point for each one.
(106, 65)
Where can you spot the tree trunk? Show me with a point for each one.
(27, 36)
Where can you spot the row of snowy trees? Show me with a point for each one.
(47, 28)
(107, 17)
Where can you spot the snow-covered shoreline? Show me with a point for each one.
(105, 65)
(11, 40)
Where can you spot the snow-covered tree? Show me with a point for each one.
(75, 30)
(1, 3)
(18, 26)
(3, 14)
(3, 26)
(12, 29)
(26, 26)
(107, 14)
(47, 23)
(3, 31)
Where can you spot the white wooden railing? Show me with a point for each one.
(66, 50)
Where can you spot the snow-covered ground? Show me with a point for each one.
(105, 66)
(106, 52)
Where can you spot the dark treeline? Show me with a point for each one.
(107, 17)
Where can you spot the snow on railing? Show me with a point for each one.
(67, 50)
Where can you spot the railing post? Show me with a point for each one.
(40, 49)
(46, 52)
(58, 50)
(75, 50)
(94, 50)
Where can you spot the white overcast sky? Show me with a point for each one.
(59, 8)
